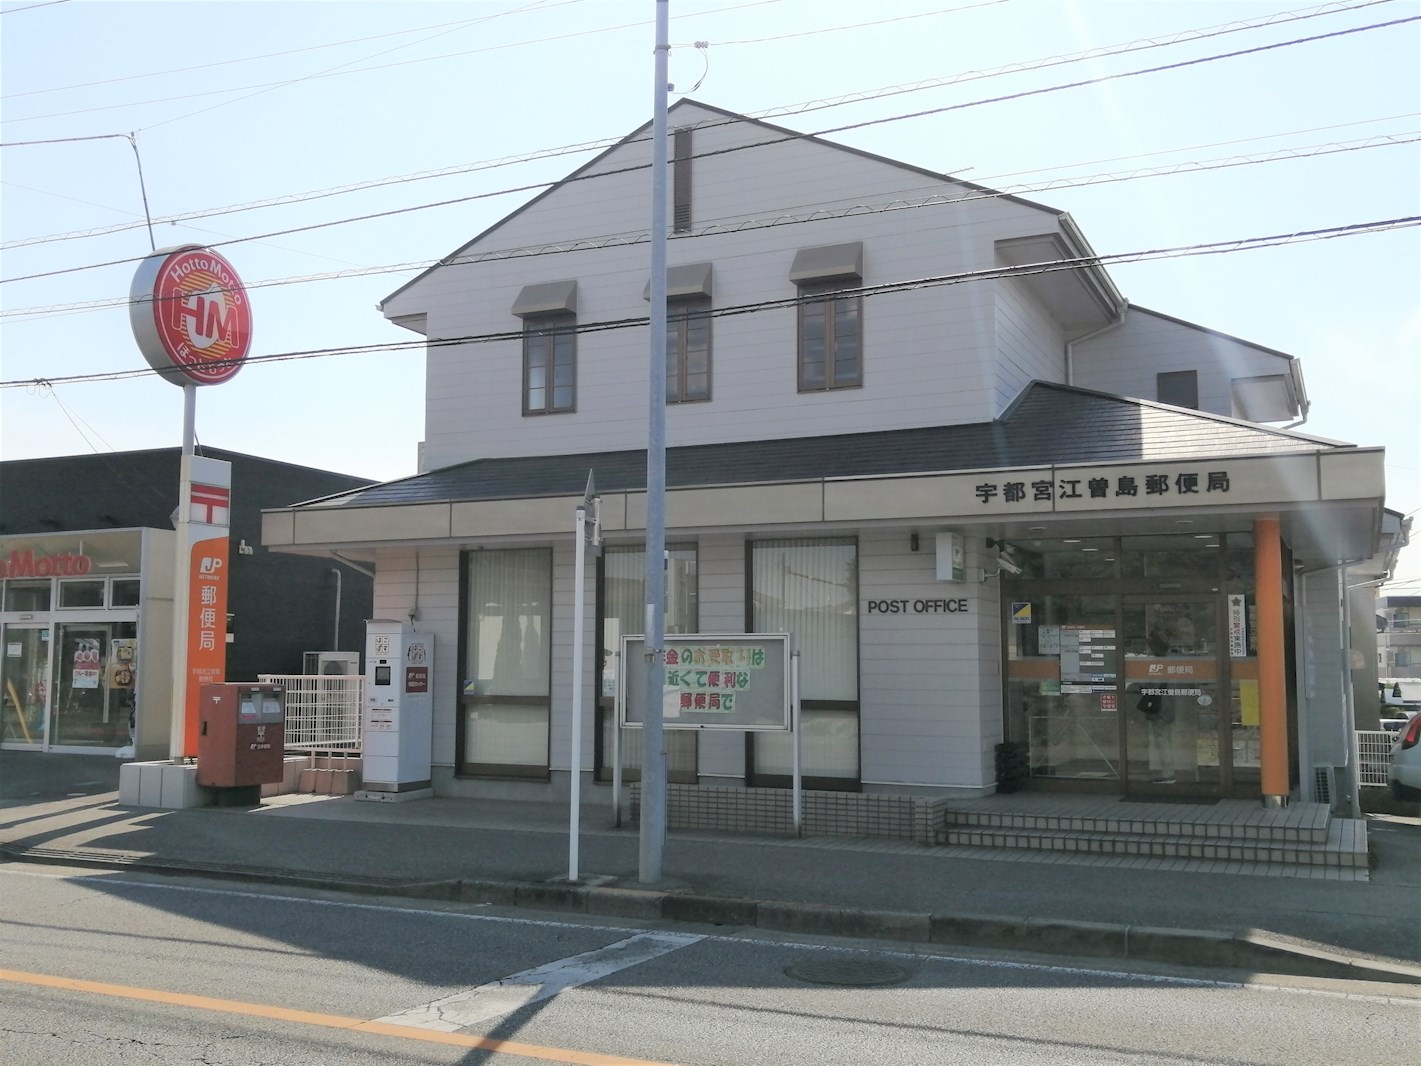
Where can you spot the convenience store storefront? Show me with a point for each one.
(85, 629)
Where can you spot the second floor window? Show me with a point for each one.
(549, 364)
(688, 350)
(830, 336)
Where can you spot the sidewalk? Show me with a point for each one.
(516, 854)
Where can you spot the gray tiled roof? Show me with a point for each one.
(1048, 424)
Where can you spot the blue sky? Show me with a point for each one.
(258, 105)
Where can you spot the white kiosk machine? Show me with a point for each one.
(398, 712)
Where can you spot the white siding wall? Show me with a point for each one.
(928, 354)
(1126, 360)
(1029, 345)
(435, 595)
(923, 718)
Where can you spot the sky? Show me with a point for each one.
(333, 150)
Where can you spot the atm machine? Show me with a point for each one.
(398, 716)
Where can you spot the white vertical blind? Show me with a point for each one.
(808, 588)
(510, 615)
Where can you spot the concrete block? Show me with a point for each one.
(493, 893)
(979, 930)
(625, 903)
(1062, 937)
(709, 910)
(552, 897)
(1191, 947)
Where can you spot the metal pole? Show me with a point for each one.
(579, 607)
(182, 555)
(794, 727)
(653, 763)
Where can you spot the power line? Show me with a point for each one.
(804, 215)
(801, 108)
(210, 65)
(1182, 64)
(369, 70)
(985, 274)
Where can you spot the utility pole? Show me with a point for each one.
(653, 760)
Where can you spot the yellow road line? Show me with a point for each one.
(326, 1021)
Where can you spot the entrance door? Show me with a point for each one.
(24, 685)
(87, 712)
(1172, 699)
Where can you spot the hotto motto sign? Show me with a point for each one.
(190, 315)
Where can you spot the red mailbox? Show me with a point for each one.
(241, 735)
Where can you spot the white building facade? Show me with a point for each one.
(871, 367)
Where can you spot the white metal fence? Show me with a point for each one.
(1373, 755)
(322, 712)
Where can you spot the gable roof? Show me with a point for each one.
(1048, 424)
(729, 116)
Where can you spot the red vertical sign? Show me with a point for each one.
(206, 629)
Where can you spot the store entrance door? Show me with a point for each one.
(1174, 678)
(92, 694)
(24, 685)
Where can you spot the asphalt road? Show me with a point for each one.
(110, 969)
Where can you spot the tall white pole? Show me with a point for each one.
(182, 561)
(579, 608)
(653, 763)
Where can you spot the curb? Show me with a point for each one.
(1248, 950)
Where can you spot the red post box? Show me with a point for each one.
(241, 735)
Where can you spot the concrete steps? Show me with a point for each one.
(1232, 831)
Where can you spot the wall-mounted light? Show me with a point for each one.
(912, 542)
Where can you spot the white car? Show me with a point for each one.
(1405, 771)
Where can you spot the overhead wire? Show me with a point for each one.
(788, 136)
(336, 72)
(1224, 247)
(800, 108)
(803, 214)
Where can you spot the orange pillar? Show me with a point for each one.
(1272, 679)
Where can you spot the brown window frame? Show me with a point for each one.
(681, 312)
(546, 330)
(820, 300)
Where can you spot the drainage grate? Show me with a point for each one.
(849, 971)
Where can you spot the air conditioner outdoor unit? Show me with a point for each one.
(330, 663)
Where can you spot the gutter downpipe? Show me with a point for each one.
(1349, 700)
(335, 642)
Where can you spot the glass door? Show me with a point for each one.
(24, 685)
(1173, 685)
(87, 712)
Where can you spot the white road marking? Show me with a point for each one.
(113, 881)
(497, 998)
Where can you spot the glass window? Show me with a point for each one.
(623, 606)
(809, 589)
(508, 659)
(1188, 555)
(124, 592)
(830, 336)
(688, 350)
(27, 595)
(1178, 387)
(549, 364)
(81, 593)
(1063, 667)
(1071, 558)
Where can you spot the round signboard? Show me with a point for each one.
(190, 315)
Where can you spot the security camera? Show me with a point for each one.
(1005, 562)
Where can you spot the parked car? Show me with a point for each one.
(1404, 773)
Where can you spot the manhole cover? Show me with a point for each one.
(860, 973)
